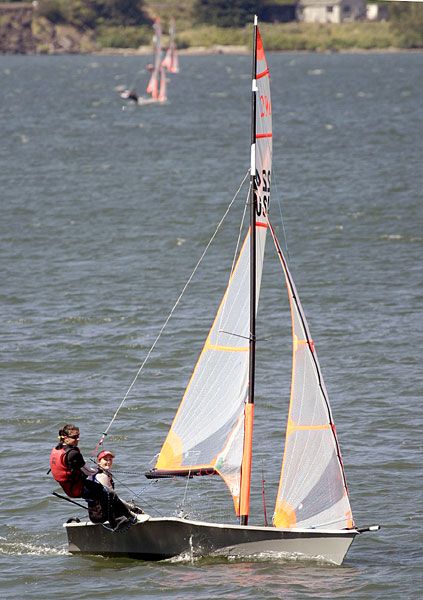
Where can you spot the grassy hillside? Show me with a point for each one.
(401, 32)
(279, 37)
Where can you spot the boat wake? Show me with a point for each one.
(30, 549)
(196, 557)
(281, 556)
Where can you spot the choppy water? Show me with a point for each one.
(104, 213)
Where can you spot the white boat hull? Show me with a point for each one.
(144, 101)
(163, 538)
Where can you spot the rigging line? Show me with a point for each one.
(185, 494)
(240, 227)
(263, 494)
(278, 198)
(101, 440)
(137, 495)
(144, 70)
(154, 44)
(238, 242)
(137, 77)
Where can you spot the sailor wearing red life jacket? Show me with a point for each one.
(67, 463)
(69, 469)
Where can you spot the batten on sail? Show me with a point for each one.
(312, 490)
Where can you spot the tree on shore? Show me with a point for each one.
(406, 19)
(92, 13)
(221, 13)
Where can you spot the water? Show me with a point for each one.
(104, 213)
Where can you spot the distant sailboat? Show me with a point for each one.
(212, 432)
(157, 84)
(156, 87)
(171, 60)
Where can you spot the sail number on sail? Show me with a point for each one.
(266, 106)
(262, 193)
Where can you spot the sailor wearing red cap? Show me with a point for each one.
(105, 464)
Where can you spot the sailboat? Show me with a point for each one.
(157, 84)
(212, 432)
(171, 60)
(156, 87)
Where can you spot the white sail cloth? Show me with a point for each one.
(312, 490)
(207, 433)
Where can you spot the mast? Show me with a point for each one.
(249, 407)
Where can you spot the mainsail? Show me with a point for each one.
(162, 97)
(261, 162)
(312, 489)
(153, 84)
(171, 61)
(207, 434)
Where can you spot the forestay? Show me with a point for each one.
(207, 434)
(312, 490)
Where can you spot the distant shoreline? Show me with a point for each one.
(244, 51)
(191, 51)
(21, 33)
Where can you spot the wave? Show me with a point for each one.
(29, 548)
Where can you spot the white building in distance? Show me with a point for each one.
(331, 11)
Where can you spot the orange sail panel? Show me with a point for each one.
(312, 490)
(153, 85)
(162, 97)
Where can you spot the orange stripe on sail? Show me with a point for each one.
(264, 135)
(261, 224)
(292, 426)
(209, 346)
(262, 74)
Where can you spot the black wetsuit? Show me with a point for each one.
(133, 96)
